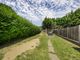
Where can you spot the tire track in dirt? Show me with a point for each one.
(52, 53)
(19, 49)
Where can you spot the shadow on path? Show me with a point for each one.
(76, 48)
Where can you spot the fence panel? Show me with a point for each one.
(70, 32)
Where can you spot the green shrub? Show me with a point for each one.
(13, 27)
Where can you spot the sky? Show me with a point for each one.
(36, 10)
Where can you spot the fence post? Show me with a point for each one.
(79, 33)
(67, 32)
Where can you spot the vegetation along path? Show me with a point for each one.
(52, 53)
(17, 50)
(39, 53)
(43, 48)
(64, 49)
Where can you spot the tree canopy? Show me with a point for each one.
(69, 20)
(47, 23)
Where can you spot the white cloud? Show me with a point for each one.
(36, 13)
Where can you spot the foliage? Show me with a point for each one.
(71, 19)
(13, 27)
(47, 23)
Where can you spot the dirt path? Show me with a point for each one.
(17, 50)
(51, 51)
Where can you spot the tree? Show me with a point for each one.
(47, 23)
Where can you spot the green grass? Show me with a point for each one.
(39, 53)
(65, 49)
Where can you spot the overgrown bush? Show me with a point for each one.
(13, 27)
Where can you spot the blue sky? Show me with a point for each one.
(36, 10)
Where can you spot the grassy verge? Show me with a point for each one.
(65, 49)
(39, 53)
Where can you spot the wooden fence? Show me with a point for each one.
(72, 33)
